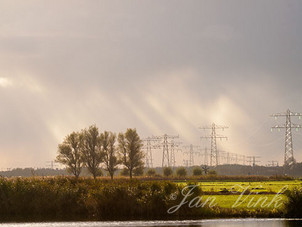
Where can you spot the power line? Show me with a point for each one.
(52, 164)
(168, 145)
(253, 160)
(273, 164)
(186, 163)
(191, 153)
(205, 155)
(214, 158)
(148, 145)
(289, 159)
(173, 146)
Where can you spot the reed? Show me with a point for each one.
(67, 198)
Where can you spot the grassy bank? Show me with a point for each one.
(63, 198)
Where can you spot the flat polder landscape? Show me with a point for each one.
(150, 113)
(88, 199)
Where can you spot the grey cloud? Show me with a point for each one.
(99, 61)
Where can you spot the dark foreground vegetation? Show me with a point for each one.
(294, 203)
(64, 198)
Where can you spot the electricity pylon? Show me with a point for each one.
(252, 160)
(52, 164)
(214, 158)
(228, 158)
(273, 163)
(173, 148)
(191, 153)
(186, 163)
(236, 158)
(148, 145)
(243, 157)
(168, 145)
(289, 160)
(205, 155)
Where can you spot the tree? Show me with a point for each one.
(92, 150)
(109, 152)
(181, 172)
(205, 169)
(70, 153)
(167, 171)
(130, 147)
(197, 171)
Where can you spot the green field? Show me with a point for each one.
(257, 195)
(271, 187)
(247, 201)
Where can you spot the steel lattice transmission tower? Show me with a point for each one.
(148, 145)
(214, 156)
(168, 145)
(191, 153)
(204, 153)
(173, 148)
(289, 160)
(52, 164)
(253, 160)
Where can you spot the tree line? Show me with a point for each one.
(96, 150)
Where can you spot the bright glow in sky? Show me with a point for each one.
(4, 82)
(157, 66)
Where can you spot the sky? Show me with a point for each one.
(162, 67)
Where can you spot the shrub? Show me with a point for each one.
(181, 172)
(138, 172)
(212, 172)
(99, 173)
(167, 171)
(293, 206)
(124, 172)
(197, 171)
(151, 173)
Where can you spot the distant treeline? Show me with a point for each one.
(30, 172)
(296, 171)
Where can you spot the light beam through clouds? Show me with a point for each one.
(4, 82)
(159, 66)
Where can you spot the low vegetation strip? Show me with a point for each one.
(219, 178)
(255, 187)
(64, 198)
(249, 202)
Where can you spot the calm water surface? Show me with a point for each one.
(192, 223)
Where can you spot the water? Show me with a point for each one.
(190, 223)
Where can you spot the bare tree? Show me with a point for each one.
(130, 150)
(109, 152)
(92, 150)
(70, 153)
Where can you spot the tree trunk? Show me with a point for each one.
(130, 171)
(111, 174)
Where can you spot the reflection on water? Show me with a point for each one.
(189, 223)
